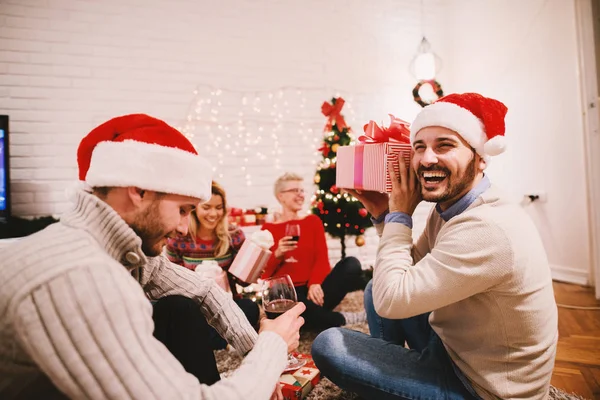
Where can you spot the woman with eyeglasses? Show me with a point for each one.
(211, 238)
(304, 257)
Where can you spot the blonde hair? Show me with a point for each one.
(287, 177)
(223, 237)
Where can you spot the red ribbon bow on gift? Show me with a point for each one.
(332, 111)
(398, 131)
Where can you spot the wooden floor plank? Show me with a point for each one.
(577, 368)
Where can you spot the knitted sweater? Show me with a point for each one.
(485, 277)
(74, 306)
(309, 263)
(190, 252)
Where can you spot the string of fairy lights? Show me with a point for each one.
(244, 129)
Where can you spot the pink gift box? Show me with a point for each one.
(249, 262)
(364, 166)
(217, 274)
(223, 281)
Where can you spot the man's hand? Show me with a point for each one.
(287, 325)
(285, 244)
(316, 295)
(376, 203)
(406, 190)
(277, 393)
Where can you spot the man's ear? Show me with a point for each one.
(482, 163)
(136, 195)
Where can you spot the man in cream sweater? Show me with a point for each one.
(472, 298)
(75, 315)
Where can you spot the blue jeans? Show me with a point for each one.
(380, 367)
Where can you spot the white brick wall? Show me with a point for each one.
(68, 65)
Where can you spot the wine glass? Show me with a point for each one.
(293, 229)
(279, 295)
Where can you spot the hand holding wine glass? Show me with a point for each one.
(290, 241)
(280, 302)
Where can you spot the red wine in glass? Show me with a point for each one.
(278, 296)
(277, 307)
(293, 230)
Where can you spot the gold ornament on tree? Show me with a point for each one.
(360, 240)
(317, 178)
(334, 147)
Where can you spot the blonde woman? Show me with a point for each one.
(306, 260)
(210, 237)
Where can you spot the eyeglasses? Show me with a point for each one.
(294, 190)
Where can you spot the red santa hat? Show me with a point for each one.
(142, 151)
(479, 120)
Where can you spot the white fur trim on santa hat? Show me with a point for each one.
(460, 120)
(150, 167)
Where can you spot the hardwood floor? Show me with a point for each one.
(577, 368)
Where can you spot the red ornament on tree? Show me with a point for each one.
(363, 212)
(324, 150)
(334, 189)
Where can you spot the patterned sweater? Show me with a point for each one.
(190, 253)
(485, 277)
(74, 307)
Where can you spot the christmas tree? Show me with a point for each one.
(342, 214)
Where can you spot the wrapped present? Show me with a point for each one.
(235, 216)
(296, 385)
(252, 257)
(364, 165)
(211, 269)
(249, 218)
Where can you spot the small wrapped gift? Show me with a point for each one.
(296, 385)
(211, 269)
(252, 258)
(235, 216)
(364, 165)
(249, 218)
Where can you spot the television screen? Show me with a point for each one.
(4, 170)
(2, 173)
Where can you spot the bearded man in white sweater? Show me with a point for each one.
(468, 310)
(75, 315)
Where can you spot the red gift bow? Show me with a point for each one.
(398, 131)
(333, 112)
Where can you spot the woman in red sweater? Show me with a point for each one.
(306, 261)
(210, 237)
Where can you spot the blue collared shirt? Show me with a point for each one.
(461, 205)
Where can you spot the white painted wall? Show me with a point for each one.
(525, 53)
(68, 65)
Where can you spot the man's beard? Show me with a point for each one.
(453, 189)
(148, 227)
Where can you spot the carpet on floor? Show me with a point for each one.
(327, 390)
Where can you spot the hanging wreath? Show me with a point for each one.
(435, 85)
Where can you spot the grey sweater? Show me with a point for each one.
(74, 308)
